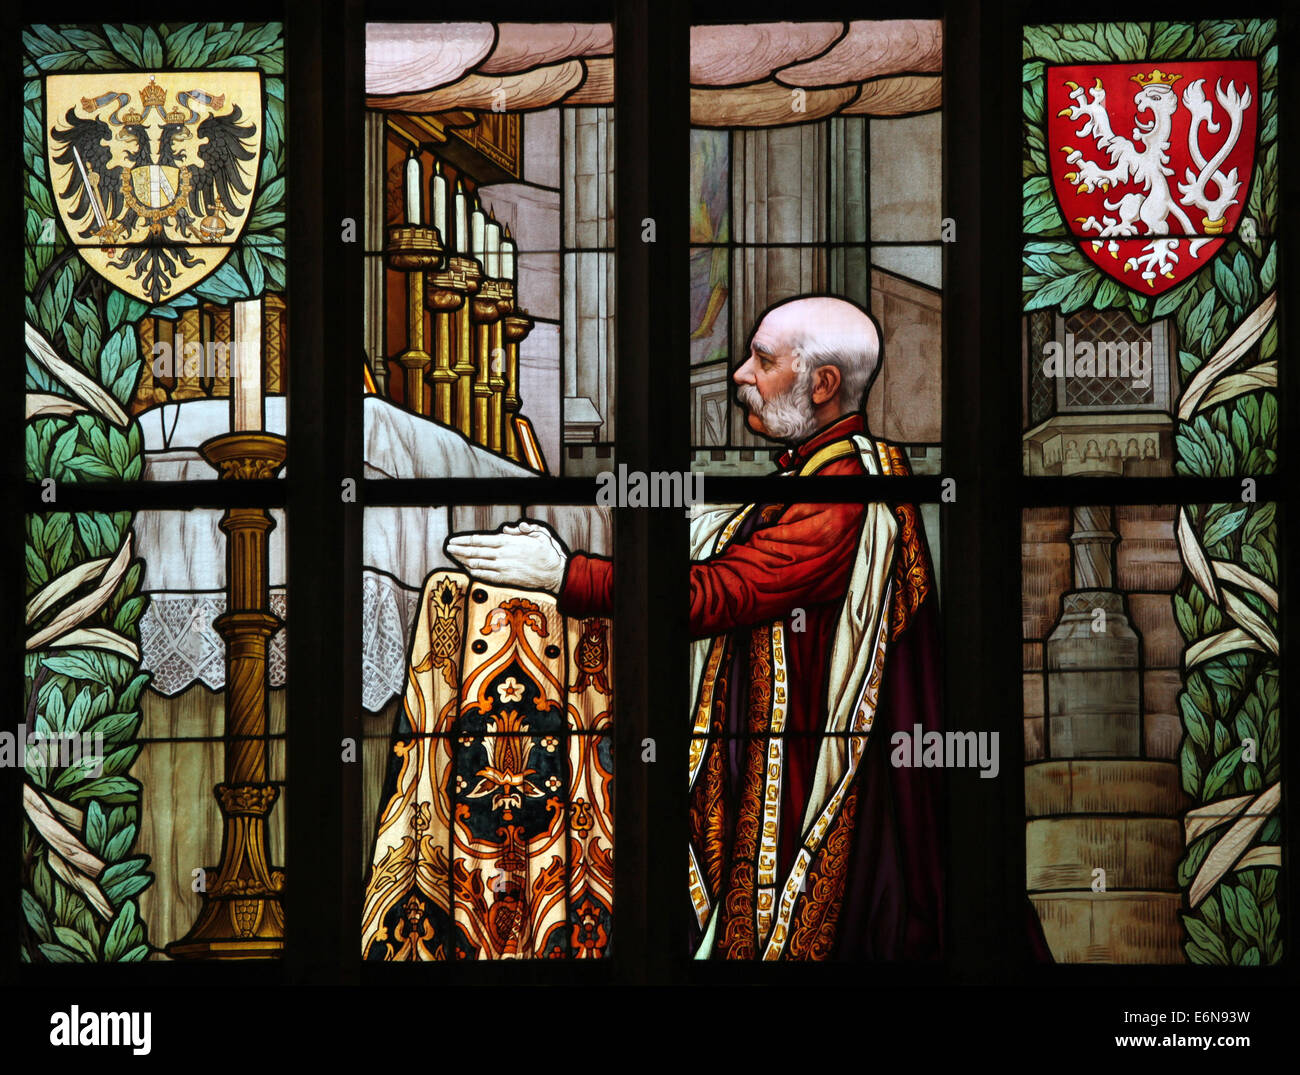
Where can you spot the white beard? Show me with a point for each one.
(787, 417)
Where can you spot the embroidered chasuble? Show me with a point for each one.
(495, 837)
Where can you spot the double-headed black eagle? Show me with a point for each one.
(217, 187)
(204, 196)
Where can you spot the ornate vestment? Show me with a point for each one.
(495, 839)
(749, 899)
(815, 631)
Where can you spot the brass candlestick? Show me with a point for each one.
(465, 346)
(485, 313)
(412, 249)
(496, 372)
(448, 295)
(242, 913)
(515, 327)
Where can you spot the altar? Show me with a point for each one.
(402, 557)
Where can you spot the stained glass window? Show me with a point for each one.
(488, 752)
(702, 449)
(1151, 626)
(156, 358)
(816, 167)
(1146, 311)
(491, 353)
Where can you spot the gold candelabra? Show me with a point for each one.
(472, 368)
(412, 249)
(486, 313)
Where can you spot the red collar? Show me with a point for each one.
(837, 430)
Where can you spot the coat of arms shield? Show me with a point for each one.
(154, 174)
(1152, 165)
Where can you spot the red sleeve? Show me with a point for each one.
(805, 558)
(588, 586)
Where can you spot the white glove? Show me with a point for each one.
(528, 555)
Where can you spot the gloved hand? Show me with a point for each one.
(527, 554)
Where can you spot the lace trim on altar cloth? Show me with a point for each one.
(180, 647)
(387, 614)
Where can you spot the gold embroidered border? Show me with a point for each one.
(912, 580)
(795, 883)
(740, 922)
(770, 833)
(699, 898)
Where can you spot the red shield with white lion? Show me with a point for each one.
(1152, 164)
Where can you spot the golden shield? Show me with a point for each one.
(154, 174)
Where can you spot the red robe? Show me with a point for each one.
(886, 893)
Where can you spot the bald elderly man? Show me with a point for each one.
(813, 634)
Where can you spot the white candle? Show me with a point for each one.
(413, 189)
(439, 218)
(492, 250)
(507, 257)
(477, 224)
(246, 367)
(462, 222)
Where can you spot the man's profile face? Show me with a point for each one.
(769, 369)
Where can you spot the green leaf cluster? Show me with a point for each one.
(1239, 924)
(1226, 701)
(125, 47)
(82, 448)
(93, 696)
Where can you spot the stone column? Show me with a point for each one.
(847, 162)
(1093, 677)
(1102, 839)
(588, 361)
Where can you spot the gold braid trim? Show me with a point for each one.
(708, 803)
(738, 926)
(817, 914)
(912, 569)
(708, 818)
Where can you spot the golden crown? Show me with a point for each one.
(1156, 78)
(153, 95)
